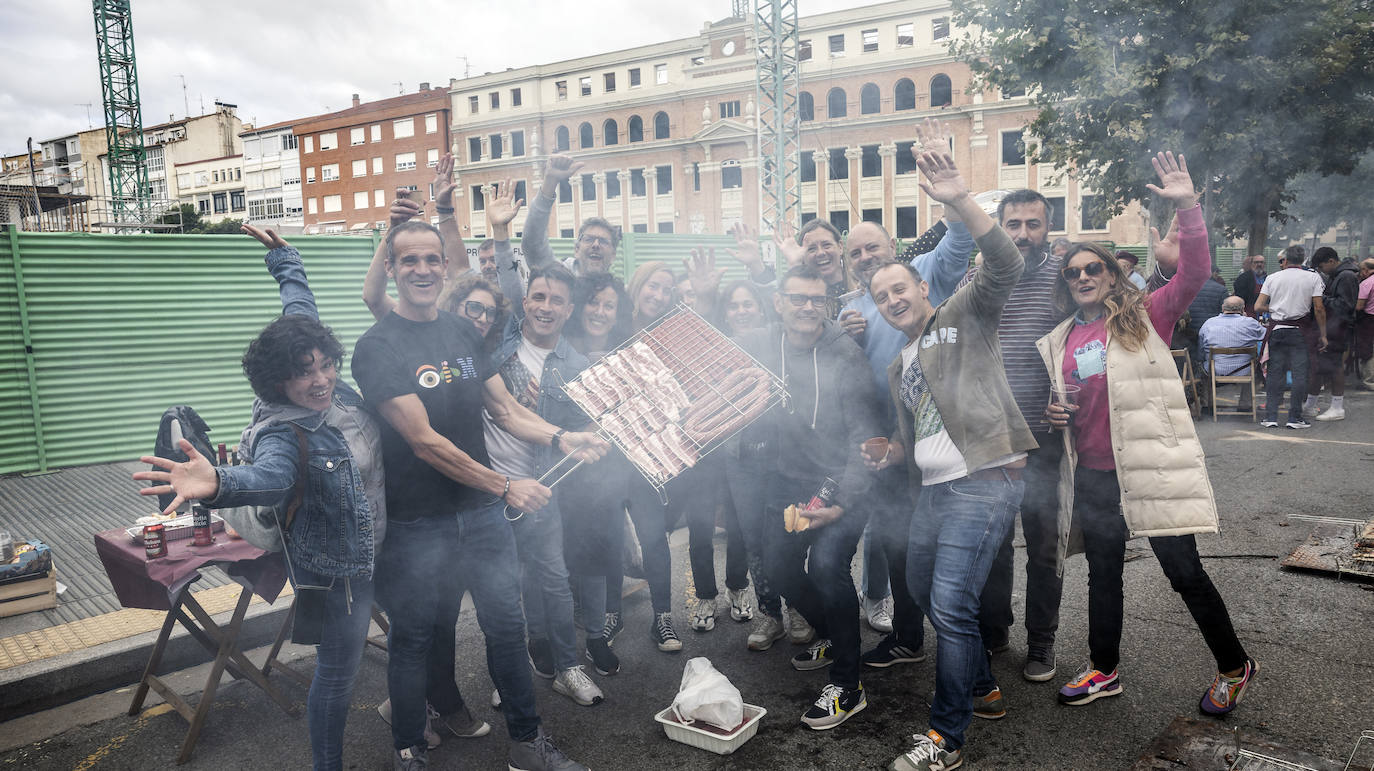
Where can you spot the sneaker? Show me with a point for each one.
(600, 655)
(816, 656)
(410, 759)
(495, 699)
(1310, 411)
(1226, 692)
(741, 608)
(540, 754)
(835, 705)
(990, 706)
(431, 737)
(663, 633)
(767, 630)
(890, 651)
(798, 630)
(1089, 686)
(574, 683)
(461, 724)
(1269, 424)
(929, 754)
(702, 613)
(1335, 413)
(613, 626)
(541, 658)
(878, 614)
(1039, 664)
(1299, 424)
(998, 642)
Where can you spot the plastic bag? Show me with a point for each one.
(708, 696)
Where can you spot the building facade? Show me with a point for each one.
(272, 178)
(214, 186)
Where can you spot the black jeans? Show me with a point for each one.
(709, 493)
(1097, 507)
(890, 523)
(1040, 526)
(650, 517)
(745, 477)
(1287, 353)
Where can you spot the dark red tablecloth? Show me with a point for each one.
(154, 584)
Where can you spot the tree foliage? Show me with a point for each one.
(1255, 93)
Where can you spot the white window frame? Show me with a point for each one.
(431, 157)
(432, 123)
(379, 198)
(375, 132)
(312, 205)
(403, 128)
(660, 74)
(309, 175)
(405, 161)
(377, 165)
(357, 136)
(329, 141)
(310, 144)
(333, 203)
(329, 172)
(360, 195)
(360, 167)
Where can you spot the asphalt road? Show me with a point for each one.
(1310, 633)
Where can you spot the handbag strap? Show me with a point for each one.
(299, 494)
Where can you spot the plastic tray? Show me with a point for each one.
(709, 737)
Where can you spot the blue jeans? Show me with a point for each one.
(956, 532)
(342, 639)
(420, 571)
(873, 581)
(547, 594)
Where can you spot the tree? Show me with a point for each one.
(1324, 202)
(230, 226)
(185, 217)
(1253, 93)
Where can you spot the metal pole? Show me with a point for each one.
(37, 205)
(25, 331)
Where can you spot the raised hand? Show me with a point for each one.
(403, 208)
(267, 237)
(931, 134)
(1166, 248)
(1173, 175)
(785, 239)
(943, 182)
(701, 269)
(746, 247)
(560, 169)
(193, 479)
(503, 207)
(443, 182)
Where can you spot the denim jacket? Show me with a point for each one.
(333, 532)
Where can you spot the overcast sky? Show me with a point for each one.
(282, 60)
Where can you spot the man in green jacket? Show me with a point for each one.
(965, 442)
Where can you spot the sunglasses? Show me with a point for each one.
(476, 310)
(1091, 269)
(801, 300)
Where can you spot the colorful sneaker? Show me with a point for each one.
(929, 754)
(664, 636)
(799, 631)
(574, 683)
(816, 656)
(600, 654)
(990, 706)
(1089, 686)
(1039, 664)
(702, 612)
(835, 705)
(1226, 692)
(741, 608)
(889, 651)
(613, 626)
(767, 630)
(541, 658)
(431, 736)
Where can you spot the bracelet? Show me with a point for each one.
(506, 491)
(554, 443)
(443, 209)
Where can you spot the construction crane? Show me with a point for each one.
(777, 85)
(129, 189)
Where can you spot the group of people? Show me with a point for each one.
(934, 396)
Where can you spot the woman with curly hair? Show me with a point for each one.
(476, 299)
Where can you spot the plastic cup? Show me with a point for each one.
(876, 448)
(1066, 394)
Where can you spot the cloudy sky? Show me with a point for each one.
(281, 60)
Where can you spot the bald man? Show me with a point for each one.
(1231, 329)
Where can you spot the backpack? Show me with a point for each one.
(181, 422)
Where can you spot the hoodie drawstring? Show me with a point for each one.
(815, 373)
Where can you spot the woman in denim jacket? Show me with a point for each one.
(333, 539)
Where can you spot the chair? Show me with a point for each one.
(1185, 372)
(1251, 378)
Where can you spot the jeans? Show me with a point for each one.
(873, 581)
(955, 534)
(1040, 526)
(701, 508)
(890, 526)
(747, 495)
(649, 515)
(592, 591)
(342, 639)
(1287, 353)
(819, 585)
(547, 596)
(1097, 507)
(420, 571)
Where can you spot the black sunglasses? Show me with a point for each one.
(476, 310)
(1091, 269)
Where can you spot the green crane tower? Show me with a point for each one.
(129, 191)
(778, 83)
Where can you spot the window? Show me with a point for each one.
(405, 161)
(329, 172)
(663, 179)
(310, 144)
(870, 38)
(609, 80)
(906, 164)
(1056, 213)
(1013, 154)
(520, 192)
(221, 203)
(360, 199)
(906, 35)
(561, 141)
(836, 46)
(839, 165)
(941, 91)
(1013, 92)
(1093, 213)
(731, 176)
(360, 167)
(804, 51)
(517, 143)
(870, 99)
(840, 219)
(808, 166)
(729, 109)
(515, 97)
(610, 132)
(904, 95)
(660, 125)
(494, 99)
(634, 77)
(377, 165)
(660, 74)
(584, 85)
(329, 141)
(238, 174)
(494, 141)
(588, 188)
(562, 88)
(309, 175)
(401, 129)
(640, 227)
(479, 201)
(431, 157)
(216, 175)
(665, 227)
(313, 206)
(356, 136)
(635, 129)
(871, 215)
(474, 149)
(203, 205)
(870, 164)
(806, 106)
(939, 28)
(236, 201)
(638, 188)
(906, 222)
(376, 132)
(584, 135)
(432, 123)
(378, 198)
(835, 104)
(612, 184)
(696, 177)
(565, 193)
(288, 142)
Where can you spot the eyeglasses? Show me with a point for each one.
(1091, 269)
(595, 241)
(801, 300)
(476, 310)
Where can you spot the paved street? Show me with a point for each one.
(1310, 633)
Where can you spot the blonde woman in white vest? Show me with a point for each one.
(1133, 465)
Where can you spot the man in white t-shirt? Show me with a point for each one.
(1290, 297)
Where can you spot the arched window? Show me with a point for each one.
(660, 125)
(584, 135)
(561, 142)
(870, 99)
(834, 103)
(610, 132)
(904, 95)
(636, 129)
(941, 92)
(806, 104)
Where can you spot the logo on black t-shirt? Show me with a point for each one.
(427, 376)
(430, 376)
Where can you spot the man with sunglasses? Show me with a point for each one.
(597, 239)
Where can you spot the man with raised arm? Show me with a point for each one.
(597, 239)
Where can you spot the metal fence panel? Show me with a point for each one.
(18, 440)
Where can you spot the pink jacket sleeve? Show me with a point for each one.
(1167, 304)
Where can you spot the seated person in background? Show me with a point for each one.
(1128, 262)
(1231, 329)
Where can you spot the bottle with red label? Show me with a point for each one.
(825, 496)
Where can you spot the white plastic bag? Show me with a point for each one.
(708, 696)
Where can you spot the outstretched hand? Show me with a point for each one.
(785, 239)
(1166, 248)
(1173, 175)
(193, 479)
(502, 208)
(746, 247)
(443, 182)
(931, 134)
(267, 236)
(561, 168)
(943, 182)
(702, 271)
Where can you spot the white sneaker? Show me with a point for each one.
(1334, 413)
(741, 608)
(798, 630)
(574, 683)
(702, 613)
(495, 699)
(1310, 412)
(878, 613)
(431, 737)
(767, 630)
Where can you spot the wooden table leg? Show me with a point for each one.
(231, 633)
(226, 647)
(153, 661)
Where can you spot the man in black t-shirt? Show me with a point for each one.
(423, 370)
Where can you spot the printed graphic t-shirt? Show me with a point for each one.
(934, 452)
(510, 456)
(442, 363)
